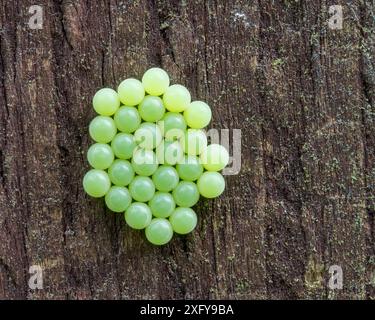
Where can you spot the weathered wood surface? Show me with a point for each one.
(302, 94)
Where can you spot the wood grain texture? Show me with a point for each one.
(302, 94)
